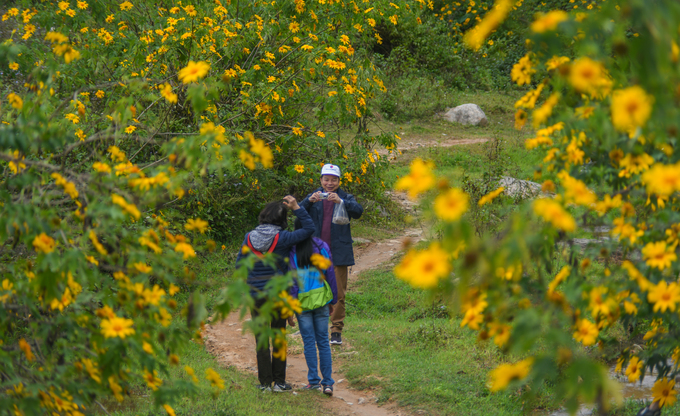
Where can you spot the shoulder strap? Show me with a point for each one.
(259, 253)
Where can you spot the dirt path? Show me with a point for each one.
(410, 146)
(227, 342)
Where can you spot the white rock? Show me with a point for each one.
(467, 114)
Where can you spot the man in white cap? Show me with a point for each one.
(320, 205)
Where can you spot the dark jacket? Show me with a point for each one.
(341, 235)
(260, 274)
(318, 244)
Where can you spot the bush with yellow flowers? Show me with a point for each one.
(110, 113)
(605, 116)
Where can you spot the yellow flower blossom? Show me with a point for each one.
(658, 255)
(554, 213)
(424, 269)
(664, 392)
(117, 327)
(586, 332)
(664, 296)
(504, 374)
(631, 108)
(196, 224)
(193, 71)
(548, 21)
(419, 180)
(451, 204)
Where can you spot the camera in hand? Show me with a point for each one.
(323, 195)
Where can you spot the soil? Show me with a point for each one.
(410, 146)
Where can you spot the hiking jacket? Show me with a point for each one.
(341, 235)
(329, 273)
(260, 274)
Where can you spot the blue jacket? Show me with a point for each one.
(260, 274)
(318, 245)
(341, 235)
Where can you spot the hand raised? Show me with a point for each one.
(290, 202)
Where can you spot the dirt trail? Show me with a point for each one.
(227, 342)
(232, 347)
(409, 146)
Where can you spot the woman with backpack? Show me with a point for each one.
(316, 289)
(272, 236)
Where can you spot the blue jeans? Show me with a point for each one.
(314, 332)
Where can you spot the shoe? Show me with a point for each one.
(336, 338)
(281, 387)
(263, 387)
(328, 390)
(310, 387)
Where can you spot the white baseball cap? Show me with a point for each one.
(329, 169)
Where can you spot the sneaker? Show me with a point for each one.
(336, 338)
(263, 387)
(328, 390)
(310, 387)
(281, 387)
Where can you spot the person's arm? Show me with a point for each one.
(306, 203)
(354, 209)
(307, 230)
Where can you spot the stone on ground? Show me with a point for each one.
(467, 114)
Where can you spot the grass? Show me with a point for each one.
(411, 353)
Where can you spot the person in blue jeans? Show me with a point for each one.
(317, 292)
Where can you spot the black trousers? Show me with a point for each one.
(269, 369)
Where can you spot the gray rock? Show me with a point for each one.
(467, 114)
(517, 187)
(361, 240)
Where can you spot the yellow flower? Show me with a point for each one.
(170, 411)
(214, 378)
(576, 191)
(152, 380)
(625, 230)
(100, 94)
(166, 92)
(44, 243)
(16, 165)
(590, 77)
(631, 108)
(521, 117)
(555, 62)
(548, 21)
(664, 392)
(186, 249)
(490, 196)
(504, 374)
(475, 37)
(553, 212)
(130, 129)
(664, 296)
(419, 180)
(193, 71)
(299, 168)
(13, 66)
(92, 370)
(586, 332)
(117, 327)
(129, 208)
(15, 101)
(424, 269)
(658, 255)
(608, 203)
(97, 245)
(26, 348)
(522, 71)
(451, 204)
(320, 262)
(147, 348)
(101, 167)
(126, 6)
(662, 179)
(634, 369)
(196, 224)
(154, 295)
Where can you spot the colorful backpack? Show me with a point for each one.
(314, 291)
